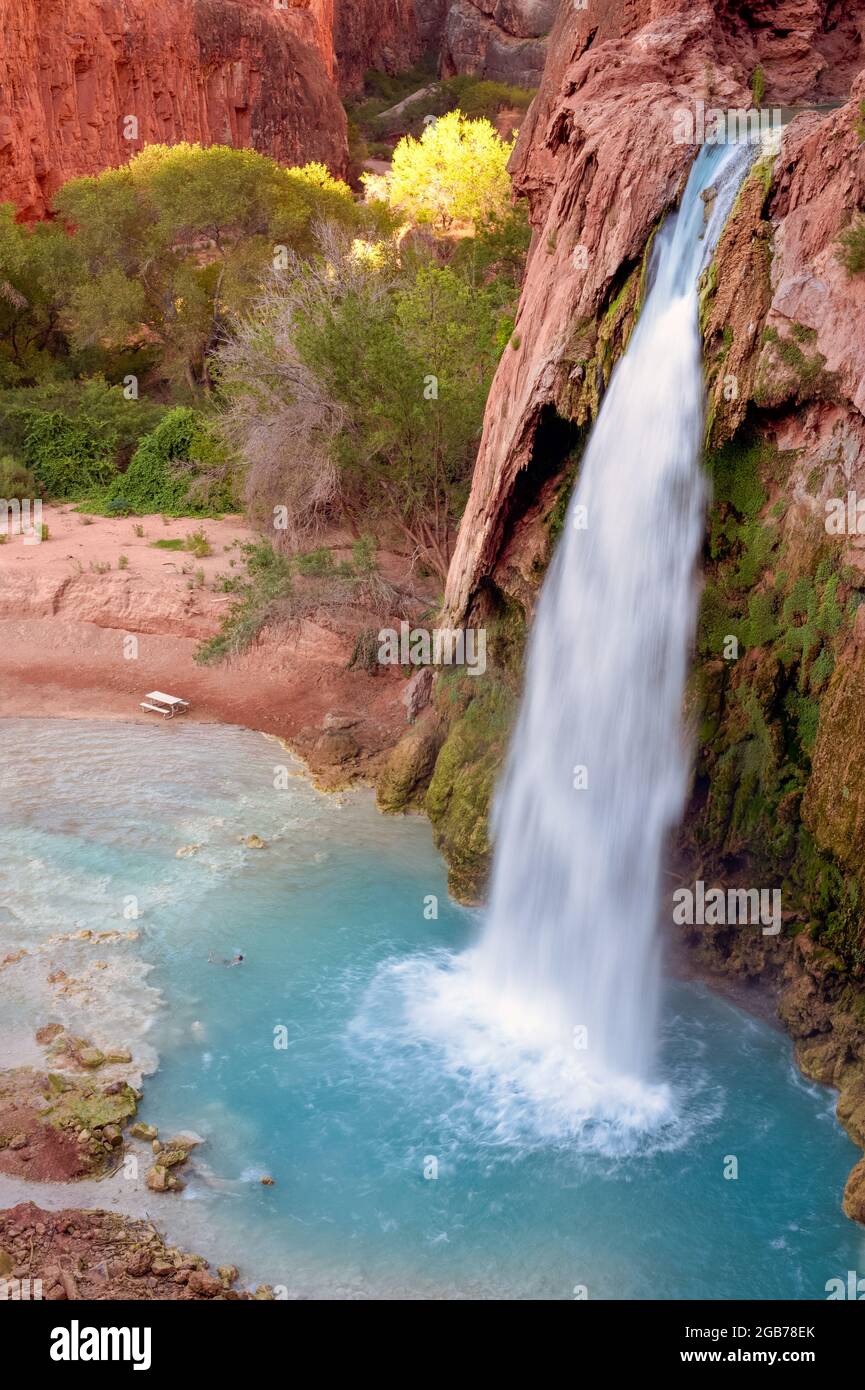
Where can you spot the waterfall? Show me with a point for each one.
(598, 766)
(555, 1012)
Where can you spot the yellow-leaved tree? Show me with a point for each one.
(456, 172)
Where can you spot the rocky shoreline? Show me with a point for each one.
(75, 1119)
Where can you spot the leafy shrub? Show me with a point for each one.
(68, 457)
(16, 481)
(268, 579)
(851, 247)
(198, 544)
(180, 469)
(100, 408)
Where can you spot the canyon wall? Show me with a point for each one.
(84, 84)
(383, 34)
(599, 164)
(503, 40)
(217, 71)
(261, 73)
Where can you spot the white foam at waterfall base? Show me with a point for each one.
(554, 1015)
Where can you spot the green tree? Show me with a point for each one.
(172, 243)
(35, 265)
(362, 382)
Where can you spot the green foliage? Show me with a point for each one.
(761, 714)
(393, 365)
(758, 85)
(181, 468)
(16, 481)
(495, 256)
(170, 244)
(198, 544)
(34, 276)
(90, 409)
(736, 476)
(267, 580)
(761, 627)
(859, 123)
(68, 457)
(851, 246)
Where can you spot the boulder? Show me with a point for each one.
(204, 1285)
(90, 1057)
(161, 1179)
(142, 1131)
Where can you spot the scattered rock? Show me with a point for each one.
(187, 851)
(187, 1139)
(91, 1057)
(160, 1179)
(340, 721)
(172, 1158)
(142, 1131)
(254, 842)
(267, 1182)
(204, 1284)
(418, 693)
(47, 1035)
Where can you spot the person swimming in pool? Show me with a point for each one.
(237, 959)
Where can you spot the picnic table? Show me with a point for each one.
(157, 702)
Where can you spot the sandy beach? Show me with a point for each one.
(70, 605)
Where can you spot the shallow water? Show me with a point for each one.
(372, 1083)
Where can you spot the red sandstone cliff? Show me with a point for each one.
(265, 73)
(215, 71)
(599, 164)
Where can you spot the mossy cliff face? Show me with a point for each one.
(447, 765)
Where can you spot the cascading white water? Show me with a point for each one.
(570, 940)
(554, 1013)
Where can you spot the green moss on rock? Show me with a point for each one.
(778, 713)
(83, 1105)
(460, 793)
(406, 775)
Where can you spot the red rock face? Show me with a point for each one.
(381, 34)
(503, 40)
(241, 72)
(599, 163)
